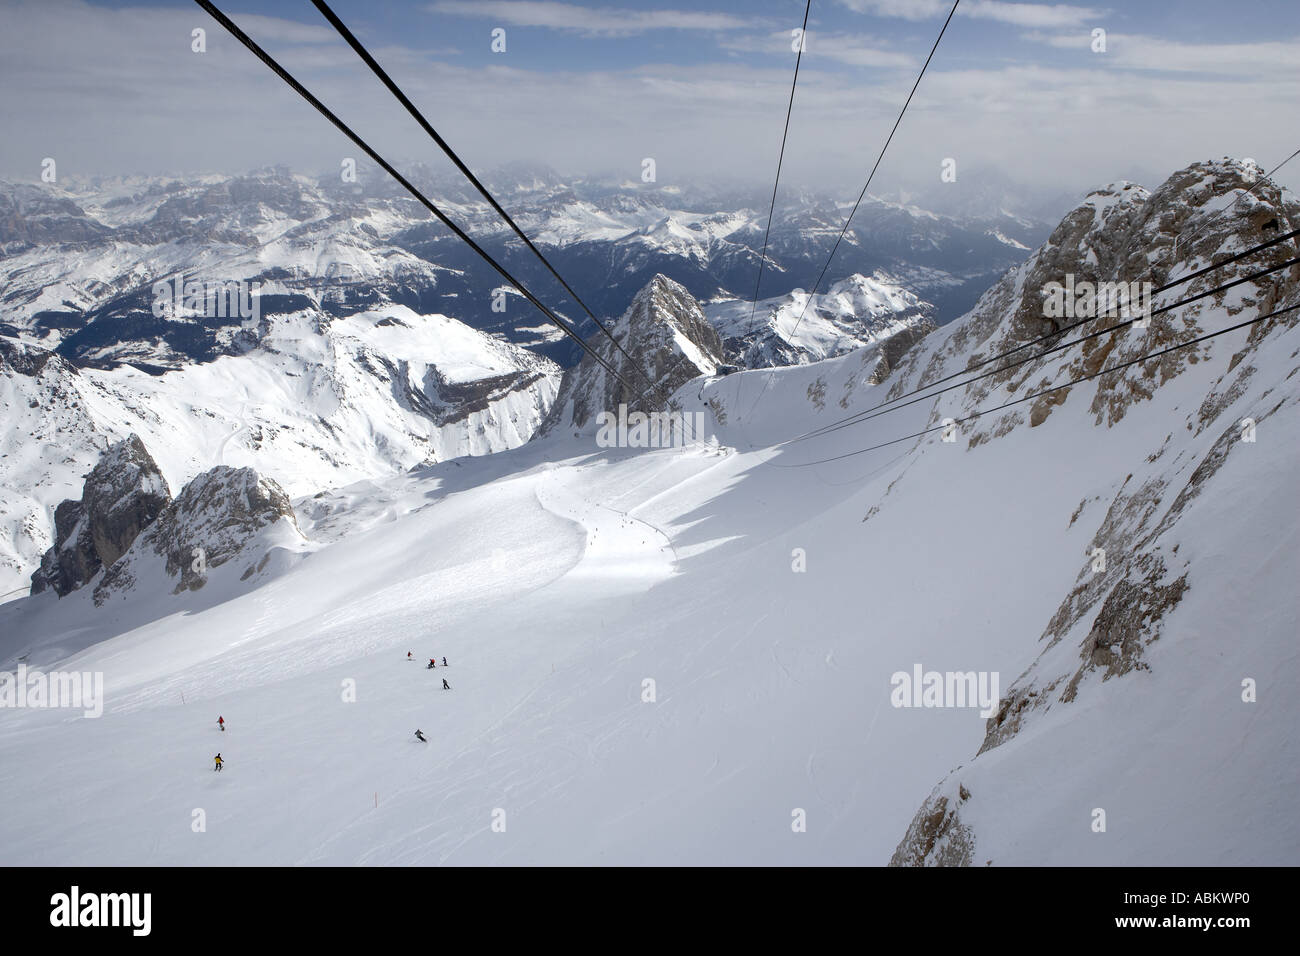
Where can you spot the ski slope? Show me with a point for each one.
(550, 590)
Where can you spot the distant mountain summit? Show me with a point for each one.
(792, 330)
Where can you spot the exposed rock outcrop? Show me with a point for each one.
(122, 495)
(669, 342)
(128, 527)
(221, 515)
(937, 836)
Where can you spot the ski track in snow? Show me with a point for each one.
(220, 456)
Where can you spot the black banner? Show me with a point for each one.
(938, 906)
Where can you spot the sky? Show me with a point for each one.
(1016, 93)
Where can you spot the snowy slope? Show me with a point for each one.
(558, 578)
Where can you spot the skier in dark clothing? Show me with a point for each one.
(421, 736)
(445, 685)
(444, 662)
(219, 762)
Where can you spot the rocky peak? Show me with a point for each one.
(218, 516)
(1125, 234)
(122, 495)
(667, 336)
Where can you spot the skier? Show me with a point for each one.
(445, 685)
(221, 722)
(421, 736)
(432, 664)
(444, 662)
(409, 657)
(219, 762)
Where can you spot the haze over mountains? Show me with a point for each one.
(79, 254)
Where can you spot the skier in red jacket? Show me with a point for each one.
(221, 722)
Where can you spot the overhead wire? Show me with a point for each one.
(359, 48)
(867, 413)
(849, 219)
(780, 159)
(1047, 391)
(302, 91)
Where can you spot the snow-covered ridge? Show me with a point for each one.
(788, 330)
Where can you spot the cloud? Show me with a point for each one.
(1036, 15)
(590, 21)
(272, 29)
(118, 91)
(903, 9)
(1031, 14)
(849, 49)
(1136, 52)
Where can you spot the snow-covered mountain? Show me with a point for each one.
(318, 403)
(349, 367)
(693, 655)
(94, 297)
(1139, 529)
(674, 340)
(790, 330)
(78, 262)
